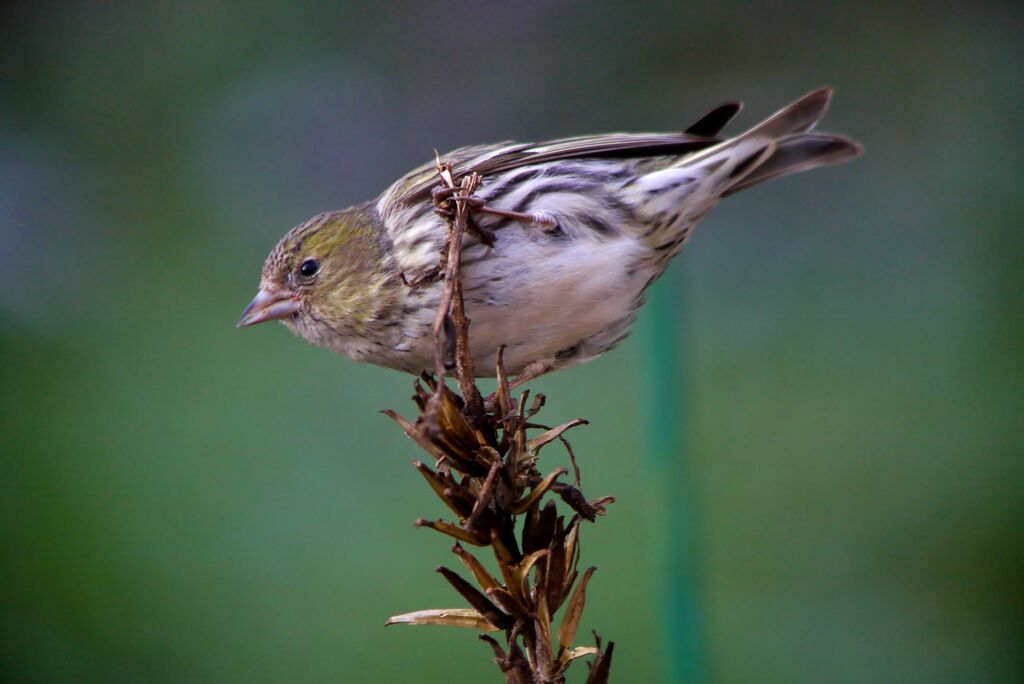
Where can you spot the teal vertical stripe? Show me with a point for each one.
(678, 584)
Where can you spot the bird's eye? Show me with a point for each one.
(309, 268)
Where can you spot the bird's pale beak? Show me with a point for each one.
(268, 305)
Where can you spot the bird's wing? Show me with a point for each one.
(486, 160)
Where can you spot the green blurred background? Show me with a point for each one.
(181, 501)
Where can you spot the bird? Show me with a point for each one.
(571, 234)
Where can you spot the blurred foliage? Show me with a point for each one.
(183, 501)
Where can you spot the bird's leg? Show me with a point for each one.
(540, 218)
(533, 370)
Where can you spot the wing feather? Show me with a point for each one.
(416, 185)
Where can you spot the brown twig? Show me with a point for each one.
(453, 306)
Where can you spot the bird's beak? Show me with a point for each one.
(268, 305)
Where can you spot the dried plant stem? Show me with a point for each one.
(453, 306)
(486, 474)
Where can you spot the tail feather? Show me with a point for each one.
(778, 146)
(679, 194)
(797, 117)
(796, 153)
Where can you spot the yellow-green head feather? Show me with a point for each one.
(333, 263)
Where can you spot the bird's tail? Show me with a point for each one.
(674, 198)
(780, 145)
(796, 153)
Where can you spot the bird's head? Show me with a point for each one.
(324, 278)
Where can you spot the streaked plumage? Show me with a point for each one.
(624, 204)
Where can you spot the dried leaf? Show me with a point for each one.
(489, 454)
(538, 491)
(416, 435)
(600, 505)
(452, 531)
(523, 570)
(571, 546)
(444, 169)
(579, 652)
(484, 497)
(506, 601)
(521, 406)
(506, 532)
(551, 435)
(538, 403)
(459, 501)
(481, 603)
(406, 426)
(514, 665)
(483, 578)
(539, 526)
(503, 394)
(574, 611)
(543, 648)
(451, 617)
(557, 567)
(540, 578)
(499, 652)
(572, 535)
(602, 666)
(574, 497)
(506, 561)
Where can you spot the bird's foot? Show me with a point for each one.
(446, 198)
(544, 219)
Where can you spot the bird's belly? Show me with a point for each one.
(559, 300)
(563, 302)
